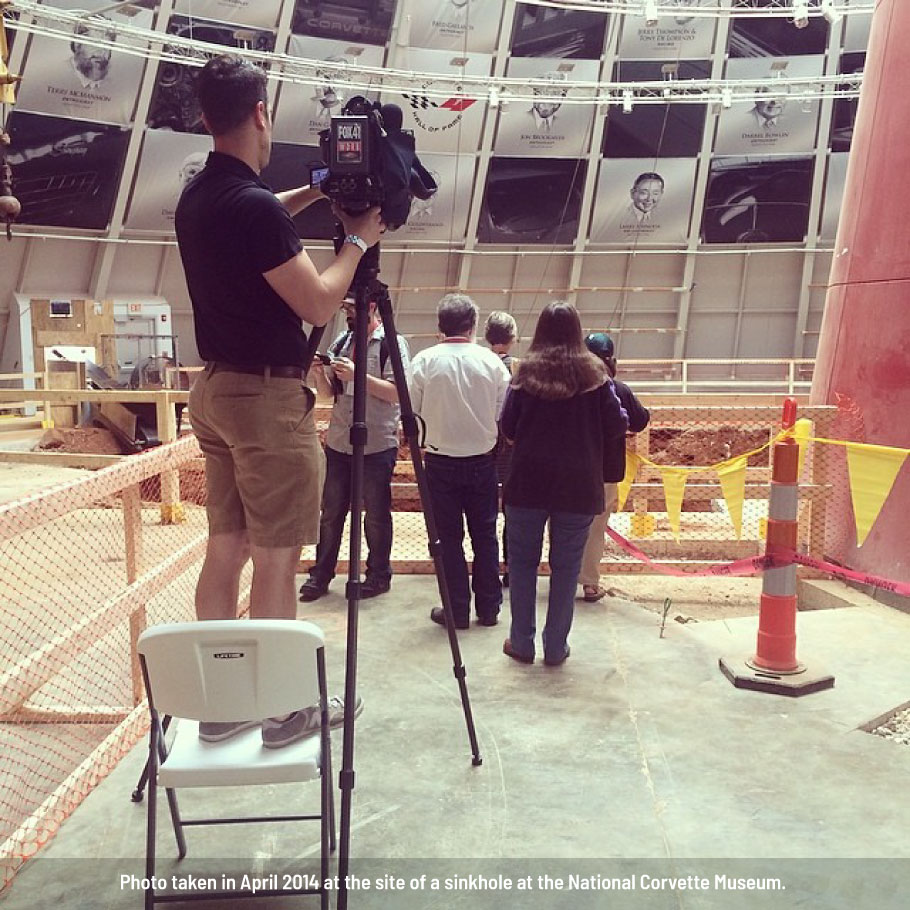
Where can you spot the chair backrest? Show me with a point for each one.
(227, 670)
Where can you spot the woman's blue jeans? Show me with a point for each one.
(568, 535)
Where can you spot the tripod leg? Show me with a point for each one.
(352, 589)
(409, 422)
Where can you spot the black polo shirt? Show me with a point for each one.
(230, 229)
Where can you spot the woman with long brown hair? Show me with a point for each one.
(560, 411)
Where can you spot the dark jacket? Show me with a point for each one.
(503, 450)
(615, 453)
(559, 455)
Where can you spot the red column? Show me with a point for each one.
(864, 348)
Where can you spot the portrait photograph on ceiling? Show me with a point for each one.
(85, 76)
(444, 216)
(780, 118)
(638, 201)
(455, 25)
(540, 122)
(167, 162)
(678, 36)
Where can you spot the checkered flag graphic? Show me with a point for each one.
(420, 101)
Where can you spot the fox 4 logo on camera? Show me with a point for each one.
(370, 160)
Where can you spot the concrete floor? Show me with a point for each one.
(636, 758)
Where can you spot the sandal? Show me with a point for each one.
(593, 593)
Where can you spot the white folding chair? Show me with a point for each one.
(230, 670)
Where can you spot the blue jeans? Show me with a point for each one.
(465, 489)
(568, 535)
(377, 523)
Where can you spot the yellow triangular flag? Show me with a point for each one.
(802, 431)
(632, 465)
(732, 476)
(674, 489)
(873, 470)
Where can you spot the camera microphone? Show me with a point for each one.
(392, 117)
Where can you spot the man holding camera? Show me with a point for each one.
(252, 285)
(334, 376)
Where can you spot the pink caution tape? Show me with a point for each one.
(756, 564)
(740, 567)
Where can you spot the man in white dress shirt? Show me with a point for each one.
(458, 387)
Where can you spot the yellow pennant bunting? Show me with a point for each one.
(632, 463)
(732, 476)
(674, 489)
(802, 433)
(873, 470)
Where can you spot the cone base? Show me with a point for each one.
(792, 684)
(754, 664)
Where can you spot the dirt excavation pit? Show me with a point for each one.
(704, 447)
(80, 441)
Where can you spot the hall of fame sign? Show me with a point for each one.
(444, 122)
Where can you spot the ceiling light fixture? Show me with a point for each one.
(801, 13)
(627, 101)
(650, 12)
(830, 12)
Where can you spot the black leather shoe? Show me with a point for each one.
(521, 658)
(488, 620)
(438, 615)
(372, 588)
(557, 661)
(311, 590)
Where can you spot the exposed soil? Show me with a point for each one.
(192, 486)
(706, 447)
(80, 441)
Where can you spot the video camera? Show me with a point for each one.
(370, 160)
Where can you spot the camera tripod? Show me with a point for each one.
(367, 287)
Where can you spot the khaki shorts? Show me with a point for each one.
(264, 465)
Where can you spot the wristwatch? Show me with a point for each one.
(357, 241)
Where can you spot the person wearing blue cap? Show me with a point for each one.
(601, 344)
